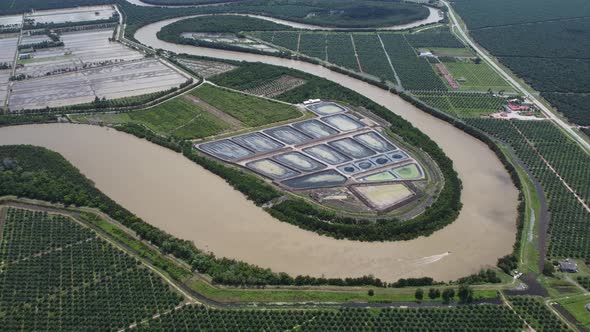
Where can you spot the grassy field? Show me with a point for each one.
(450, 52)
(252, 111)
(317, 295)
(577, 307)
(477, 77)
(463, 104)
(177, 117)
(408, 172)
(179, 272)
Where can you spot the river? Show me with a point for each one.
(174, 194)
(178, 196)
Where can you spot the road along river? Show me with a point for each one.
(176, 195)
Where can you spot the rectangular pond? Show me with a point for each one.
(351, 148)
(375, 142)
(326, 108)
(329, 178)
(225, 149)
(315, 129)
(271, 169)
(326, 154)
(342, 122)
(257, 142)
(287, 135)
(300, 161)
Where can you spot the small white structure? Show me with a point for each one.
(426, 54)
(311, 101)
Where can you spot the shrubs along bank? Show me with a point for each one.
(38, 173)
(309, 216)
(95, 280)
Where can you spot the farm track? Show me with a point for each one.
(399, 83)
(356, 55)
(463, 35)
(543, 218)
(76, 217)
(568, 187)
(2, 223)
(532, 22)
(47, 252)
(191, 296)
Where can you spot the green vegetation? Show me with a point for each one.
(41, 174)
(338, 295)
(341, 51)
(476, 76)
(284, 39)
(414, 72)
(483, 13)
(307, 216)
(569, 219)
(184, 118)
(84, 278)
(549, 53)
(153, 255)
(463, 318)
(11, 120)
(463, 105)
(219, 23)
(252, 111)
(536, 314)
(584, 282)
(178, 117)
(574, 106)
(577, 307)
(372, 56)
(440, 37)
(28, 233)
(313, 45)
(182, 274)
(184, 2)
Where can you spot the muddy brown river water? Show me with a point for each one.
(174, 194)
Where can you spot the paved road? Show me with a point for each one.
(461, 32)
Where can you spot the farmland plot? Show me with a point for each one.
(277, 86)
(11, 21)
(434, 38)
(341, 50)
(463, 104)
(252, 111)
(8, 49)
(313, 45)
(288, 40)
(206, 68)
(415, 73)
(372, 57)
(7, 52)
(111, 82)
(476, 77)
(568, 229)
(81, 50)
(80, 14)
(84, 279)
